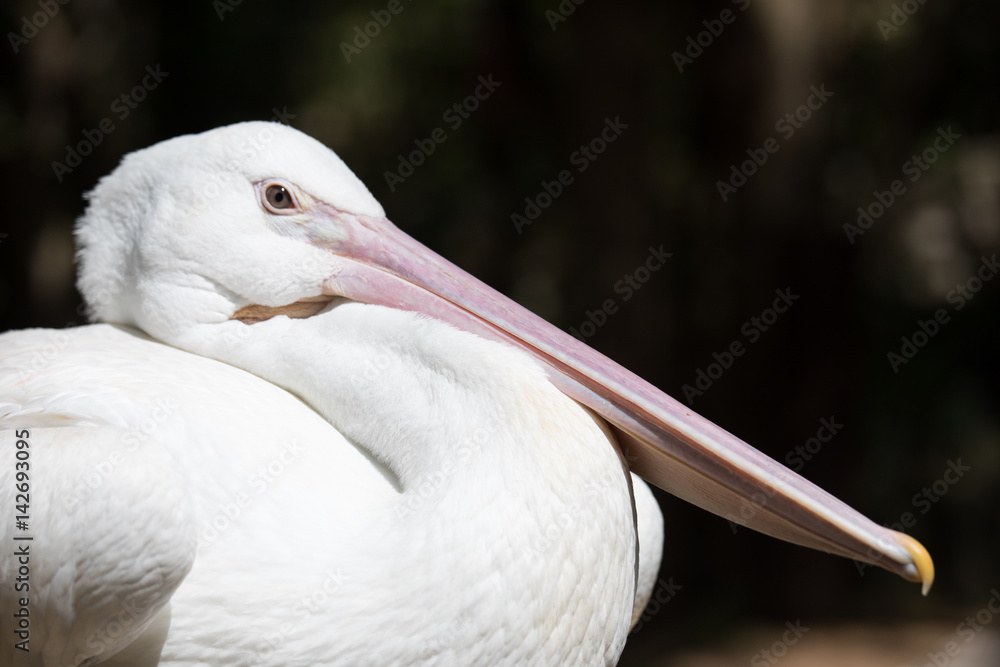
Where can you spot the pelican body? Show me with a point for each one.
(297, 437)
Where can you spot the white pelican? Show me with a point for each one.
(300, 438)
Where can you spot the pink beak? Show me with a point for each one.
(663, 441)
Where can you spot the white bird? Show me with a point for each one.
(301, 438)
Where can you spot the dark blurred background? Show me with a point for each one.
(692, 87)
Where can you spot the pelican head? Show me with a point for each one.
(257, 220)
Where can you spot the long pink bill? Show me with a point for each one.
(663, 441)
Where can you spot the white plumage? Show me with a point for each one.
(272, 474)
(181, 486)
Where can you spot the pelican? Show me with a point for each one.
(295, 436)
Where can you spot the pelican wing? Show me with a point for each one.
(97, 531)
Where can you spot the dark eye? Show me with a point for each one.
(278, 198)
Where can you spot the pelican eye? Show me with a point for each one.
(279, 199)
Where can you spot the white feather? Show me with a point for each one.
(365, 486)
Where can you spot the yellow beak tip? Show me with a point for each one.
(921, 560)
